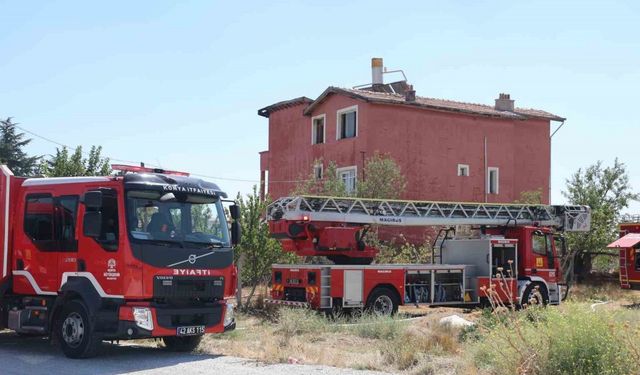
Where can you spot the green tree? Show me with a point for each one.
(64, 164)
(382, 178)
(329, 185)
(530, 197)
(11, 150)
(607, 191)
(257, 251)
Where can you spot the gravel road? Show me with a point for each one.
(35, 356)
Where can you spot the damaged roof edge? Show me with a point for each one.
(433, 104)
(441, 105)
(266, 111)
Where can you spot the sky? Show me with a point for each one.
(178, 84)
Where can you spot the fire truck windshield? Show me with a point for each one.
(188, 220)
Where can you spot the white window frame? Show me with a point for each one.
(324, 129)
(353, 168)
(497, 170)
(462, 167)
(317, 167)
(353, 108)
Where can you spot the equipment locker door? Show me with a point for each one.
(353, 285)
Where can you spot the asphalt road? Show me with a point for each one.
(35, 356)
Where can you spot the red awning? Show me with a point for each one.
(630, 240)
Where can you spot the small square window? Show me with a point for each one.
(463, 170)
(347, 123)
(317, 129)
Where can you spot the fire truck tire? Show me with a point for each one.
(181, 344)
(75, 332)
(382, 301)
(536, 292)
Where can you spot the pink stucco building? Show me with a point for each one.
(448, 150)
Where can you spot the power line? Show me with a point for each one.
(147, 164)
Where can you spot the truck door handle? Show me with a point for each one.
(81, 265)
(19, 264)
(534, 270)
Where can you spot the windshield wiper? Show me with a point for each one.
(207, 245)
(167, 243)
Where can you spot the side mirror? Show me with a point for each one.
(93, 199)
(92, 224)
(234, 211)
(236, 230)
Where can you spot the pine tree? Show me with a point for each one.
(11, 150)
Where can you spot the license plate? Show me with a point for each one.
(190, 331)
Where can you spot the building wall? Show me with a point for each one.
(428, 146)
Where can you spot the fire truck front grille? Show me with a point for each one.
(176, 317)
(181, 287)
(295, 294)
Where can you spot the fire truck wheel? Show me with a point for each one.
(181, 344)
(383, 302)
(75, 332)
(536, 294)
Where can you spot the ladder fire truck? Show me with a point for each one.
(146, 253)
(519, 242)
(629, 250)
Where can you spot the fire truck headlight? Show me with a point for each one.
(143, 317)
(229, 316)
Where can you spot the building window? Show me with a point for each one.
(317, 129)
(347, 123)
(493, 182)
(317, 171)
(348, 177)
(463, 170)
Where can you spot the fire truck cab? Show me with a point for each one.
(146, 253)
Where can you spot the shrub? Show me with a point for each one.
(293, 322)
(377, 327)
(551, 341)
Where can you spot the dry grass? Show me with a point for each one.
(418, 346)
(423, 346)
(603, 292)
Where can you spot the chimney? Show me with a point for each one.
(376, 73)
(504, 103)
(410, 94)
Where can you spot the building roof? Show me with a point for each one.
(432, 104)
(630, 240)
(266, 111)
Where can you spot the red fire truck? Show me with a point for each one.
(145, 253)
(519, 242)
(629, 246)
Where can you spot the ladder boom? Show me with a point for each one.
(570, 218)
